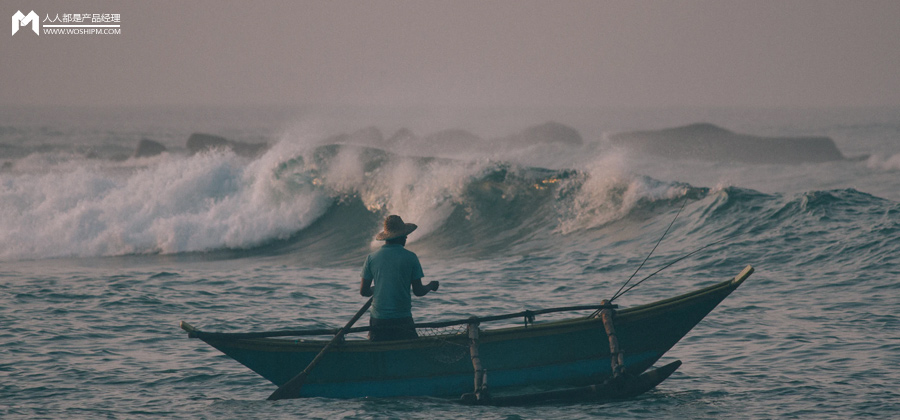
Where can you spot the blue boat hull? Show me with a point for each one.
(568, 353)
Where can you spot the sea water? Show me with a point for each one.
(102, 254)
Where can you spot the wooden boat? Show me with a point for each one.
(568, 358)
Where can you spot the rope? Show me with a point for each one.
(296, 333)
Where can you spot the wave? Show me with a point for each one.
(295, 195)
(325, 202)
(804, 231)
(173, 205)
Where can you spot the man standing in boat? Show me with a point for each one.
(394, 270)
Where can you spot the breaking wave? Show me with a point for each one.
(62, 206)
(324, 203)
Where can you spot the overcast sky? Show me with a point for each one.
(462, 53)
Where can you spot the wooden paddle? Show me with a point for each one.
(291, 389)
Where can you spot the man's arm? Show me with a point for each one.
(365, 287)
(421, 290)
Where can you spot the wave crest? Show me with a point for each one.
(295, 193)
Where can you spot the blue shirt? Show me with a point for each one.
(392, 270)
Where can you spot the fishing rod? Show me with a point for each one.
(620, 292)
(617, 295)
(683, 202)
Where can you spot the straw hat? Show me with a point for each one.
(395, 228)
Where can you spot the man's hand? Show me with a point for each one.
(420, 289)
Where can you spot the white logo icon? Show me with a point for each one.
(19, 20)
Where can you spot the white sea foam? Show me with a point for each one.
(59, 205)
(887, 163)
(421, 191)
(166, 205)
(609, 191)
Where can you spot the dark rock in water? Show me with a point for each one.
(199, 142)
(248, 149)
(548, 133)
(147, 148)
(709, 142)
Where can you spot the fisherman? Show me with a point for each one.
(394, 270)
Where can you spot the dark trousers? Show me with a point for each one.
(392, 329)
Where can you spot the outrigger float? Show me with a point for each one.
(605, 356)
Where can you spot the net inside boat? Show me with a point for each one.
(451, 343)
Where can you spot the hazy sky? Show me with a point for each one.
(462, 53)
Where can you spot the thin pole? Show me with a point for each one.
(291, 388)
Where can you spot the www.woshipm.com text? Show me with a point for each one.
(82, 31)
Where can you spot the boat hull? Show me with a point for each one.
(568, 353)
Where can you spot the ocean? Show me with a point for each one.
(103, 253)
